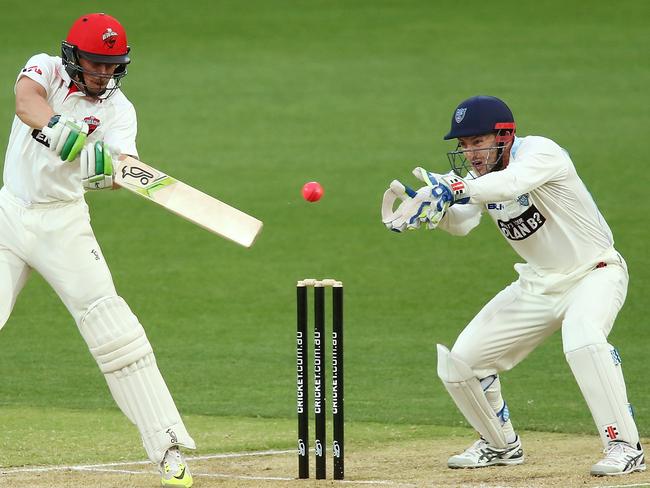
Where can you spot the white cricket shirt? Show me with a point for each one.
(32, 172)
(540, 205)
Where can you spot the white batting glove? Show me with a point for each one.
(96, 167)
(66, 136)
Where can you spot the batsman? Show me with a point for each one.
(572, 280)
(71, 117)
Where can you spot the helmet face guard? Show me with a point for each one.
(98, 38)
(70, 55)
(464, 168)
(478, 116)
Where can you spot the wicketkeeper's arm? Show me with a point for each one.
(459, 220)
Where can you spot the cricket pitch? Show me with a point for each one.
(552, 460)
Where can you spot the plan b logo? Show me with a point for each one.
(523, 226)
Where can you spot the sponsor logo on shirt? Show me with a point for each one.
(40, 137)
(92, 121)
(33, 69)
(523, 200)
(522, 226)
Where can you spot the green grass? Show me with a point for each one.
(32, 438)
(249, 100)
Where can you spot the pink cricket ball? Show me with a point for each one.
(312, 191)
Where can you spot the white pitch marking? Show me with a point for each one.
(131, 463)
(377, 482)
(109, 468)
(623, 486)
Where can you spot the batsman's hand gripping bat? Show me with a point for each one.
(185, 201)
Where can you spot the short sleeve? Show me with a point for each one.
(41, 68)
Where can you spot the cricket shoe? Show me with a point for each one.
(481, 454)
(174, 470)
(620, 458)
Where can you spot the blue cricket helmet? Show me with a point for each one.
(480, 115)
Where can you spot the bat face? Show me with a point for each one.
(136, 173)
(186, 201)
(143, 179)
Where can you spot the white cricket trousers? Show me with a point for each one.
(525, 313)
(58, 242)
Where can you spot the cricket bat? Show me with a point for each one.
(185, 201)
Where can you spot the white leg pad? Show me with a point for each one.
(466, 391)
(120, 346)
(597, 369)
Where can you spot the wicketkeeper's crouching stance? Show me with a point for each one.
(69, 111)
(573, 280)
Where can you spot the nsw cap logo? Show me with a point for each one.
(460, 115)
(109, 37)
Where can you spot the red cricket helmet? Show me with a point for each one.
(99, 38)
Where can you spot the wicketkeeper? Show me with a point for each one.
(69, 112)
(573, 279)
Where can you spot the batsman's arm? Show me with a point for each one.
(31, 103)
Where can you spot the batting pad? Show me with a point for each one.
(120, 346)
(466, 391)
(597, 369)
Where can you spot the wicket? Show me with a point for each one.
(320, 386)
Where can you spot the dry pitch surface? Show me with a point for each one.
(552, 460)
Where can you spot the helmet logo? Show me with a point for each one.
(109, 37)
(460, 115)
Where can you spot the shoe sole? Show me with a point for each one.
(637, 468)
(501, 462)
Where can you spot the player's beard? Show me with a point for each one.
(93, 86)
(96, 87)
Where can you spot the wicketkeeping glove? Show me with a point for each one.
(96, 167)
(450, 187)
(427, 205)
(413, 210)
(67, 136)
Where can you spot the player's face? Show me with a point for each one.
(480, 151)
(96, 75)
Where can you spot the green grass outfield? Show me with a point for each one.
(247, 100)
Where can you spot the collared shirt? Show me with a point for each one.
(32, 172)
(540, 205)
